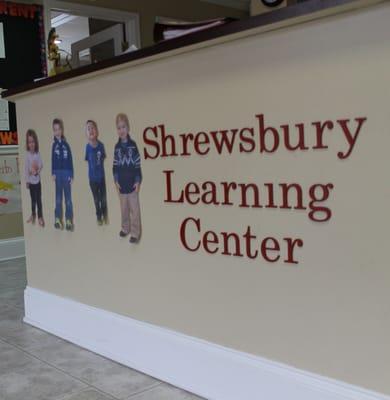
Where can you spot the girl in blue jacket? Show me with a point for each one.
(62, 172)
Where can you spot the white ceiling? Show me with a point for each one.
(70, 29)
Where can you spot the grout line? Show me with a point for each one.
(58, 369)
(89, 385)
(144, 390)
(12, 261)
(68, 396)
(78, 378)
(2, 340)
(25, 367)
(12, 305)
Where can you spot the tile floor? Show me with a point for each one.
(35, 365)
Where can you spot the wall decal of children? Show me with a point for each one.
(32, 170)
(62, 172)
(127, 177)
(95, 155)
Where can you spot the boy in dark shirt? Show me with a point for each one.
(95, 154)
(62, 172)
(127, 177)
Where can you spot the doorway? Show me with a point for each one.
(89, 34)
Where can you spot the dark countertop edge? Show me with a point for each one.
(272, 17)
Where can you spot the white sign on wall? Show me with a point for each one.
(4, 115)
(2, 46)
(10, 201)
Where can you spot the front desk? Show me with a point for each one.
(263, 260)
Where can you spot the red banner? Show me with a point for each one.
(8, 138)
(18, 10)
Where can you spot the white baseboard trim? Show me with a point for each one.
(203, 368)
(12, 248)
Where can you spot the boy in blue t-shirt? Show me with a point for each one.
(95, 155)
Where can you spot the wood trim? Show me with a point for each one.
(281, 15)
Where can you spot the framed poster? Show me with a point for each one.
(8, 131)
(22, 44)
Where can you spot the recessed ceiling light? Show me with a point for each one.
(272, 3)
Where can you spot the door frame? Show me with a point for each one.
(130, 20)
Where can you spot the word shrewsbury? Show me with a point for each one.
(262, 138)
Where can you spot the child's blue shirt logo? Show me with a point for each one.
(95, 157)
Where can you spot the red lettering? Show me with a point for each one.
(206, 241)
(351, 138)
(325, 191)
(256, 195)
(227, 187)
(3, 7)
(33, 10)
(151, 142)
(13, 9)
(165, 140)
(210, 190)
(229, 243)
(301, 137)
(168, 182)
(320, 128)
(263, 131)
(224, 140)
(192, 189)
(299, 195)
(248, 243)
(265, 249)
(271, 203)
(14, 137)
(199, 142)
(226, 236)
(247, 140)
(185, 138)
(7, 138)
(183, 237)
(291, 243)
(23, 11)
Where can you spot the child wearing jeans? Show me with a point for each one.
(95, 154)
(127, 177)
(62, 172)
(32, 170)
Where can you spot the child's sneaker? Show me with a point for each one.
(133, 240)
(100, 221)
(41, 222)
(58, 224)
(69, 225)
(105, 220)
